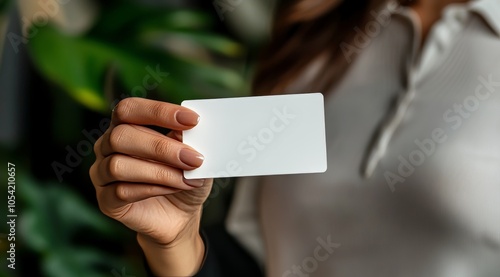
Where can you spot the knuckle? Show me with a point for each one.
(160, 110)
(161, 147)
(116, 136)
(115, 167)
(122, 192)
(150, 190)
(163, 175)
(97, 145)
(124, 108)
(92, 173)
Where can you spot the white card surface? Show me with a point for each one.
(258, 135)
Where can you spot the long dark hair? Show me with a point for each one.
(304, 30)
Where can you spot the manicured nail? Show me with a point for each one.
(191, 158)
(187, 118)
(194, 182)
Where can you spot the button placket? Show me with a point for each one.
(380, 140)
(417, 68)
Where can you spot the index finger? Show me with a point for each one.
(141, 111)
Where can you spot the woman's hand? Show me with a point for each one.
(139, 182)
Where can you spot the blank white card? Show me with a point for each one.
(258, 135)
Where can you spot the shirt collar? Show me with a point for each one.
(490, 11)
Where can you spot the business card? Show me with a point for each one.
(258, 135)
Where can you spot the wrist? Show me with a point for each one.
(182, 257)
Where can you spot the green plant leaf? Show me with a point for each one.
(126, 19)
(215, 43)
(67, 62)
(78, 66)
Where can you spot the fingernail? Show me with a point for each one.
(187, 118)
(191, 158)
(194, 182)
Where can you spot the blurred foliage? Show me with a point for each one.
(130, 39)
(53, 218)
(61, 233)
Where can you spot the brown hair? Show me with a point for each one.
(304, 30)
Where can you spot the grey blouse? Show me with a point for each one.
(413, 180)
